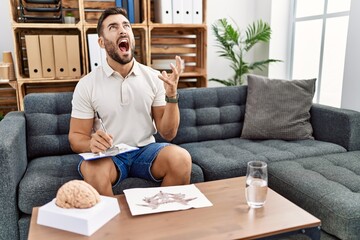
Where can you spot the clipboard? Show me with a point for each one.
(113, 151)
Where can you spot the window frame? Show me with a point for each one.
(324, 16)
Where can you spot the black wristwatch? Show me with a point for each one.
(172, 99)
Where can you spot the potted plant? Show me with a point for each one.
(234, 45)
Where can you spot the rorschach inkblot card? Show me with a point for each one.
(164, 199)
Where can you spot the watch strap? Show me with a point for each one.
(172, 99)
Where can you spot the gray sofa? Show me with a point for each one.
(321, 175)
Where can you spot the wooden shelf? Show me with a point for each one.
(8, 96)
(153, 41)
(47, 25)
(12, 83)
(42, 80)
(51, 86)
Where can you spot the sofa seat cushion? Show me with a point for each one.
(221, 159)
(45, 175)
(326, 186)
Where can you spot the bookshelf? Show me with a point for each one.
(153, 41)
(189, 41)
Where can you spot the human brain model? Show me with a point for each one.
(77, 194)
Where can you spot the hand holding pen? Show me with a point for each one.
(101, 140)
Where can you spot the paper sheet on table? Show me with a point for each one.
(164, 199)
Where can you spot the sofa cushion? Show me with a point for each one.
(210, 113)
(326, 186)
(43, 177)
(221, 159)
(47, 123)
(278, 109)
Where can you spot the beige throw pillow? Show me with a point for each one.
(278, 109)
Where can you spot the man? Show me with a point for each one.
(130, 99)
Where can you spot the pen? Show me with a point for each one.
(101, 122)
(102, 126)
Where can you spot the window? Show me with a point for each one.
(319, 45)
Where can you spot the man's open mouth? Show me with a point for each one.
(124, 45)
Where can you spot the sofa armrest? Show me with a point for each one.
(336, 125)
(13, 163)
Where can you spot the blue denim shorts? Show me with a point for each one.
(136, 163)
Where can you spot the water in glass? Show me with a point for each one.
(256, 184)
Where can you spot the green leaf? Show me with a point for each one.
(257, 32)
(224, 82)
(262, 64)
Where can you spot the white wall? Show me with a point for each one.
(280, 39)
(261, 50)
(6, 39)
(351, 84)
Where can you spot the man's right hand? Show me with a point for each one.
(100, 141)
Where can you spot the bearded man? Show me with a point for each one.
(133, 102)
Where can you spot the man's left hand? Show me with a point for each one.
(171, 80)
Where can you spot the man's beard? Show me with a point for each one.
(111, 49)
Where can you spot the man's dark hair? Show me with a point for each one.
(106, 13)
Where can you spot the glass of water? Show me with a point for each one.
(256, 184)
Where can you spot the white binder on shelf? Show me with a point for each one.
(187, 11)
(94, 50)
(97, 54)
(163, 11)
(197, 11)
(177, 11)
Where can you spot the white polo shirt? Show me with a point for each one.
(124, 104)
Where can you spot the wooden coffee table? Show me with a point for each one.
(228, 218)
